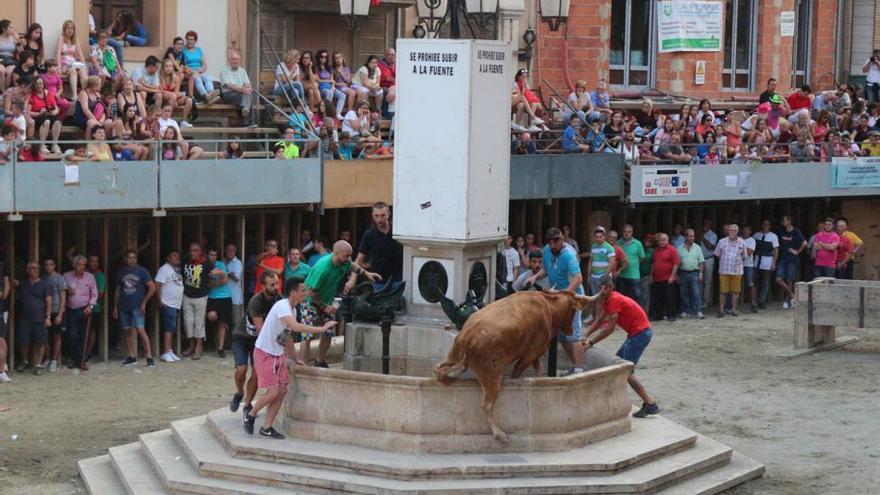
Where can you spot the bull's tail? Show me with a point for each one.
(452, 367)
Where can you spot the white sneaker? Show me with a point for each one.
(167, 357)
(174, 356)
(683, 315)
(516, 127)
(4, 378)
(53, 366)
(534, 128)
(785, 305)
(538, 121)
(186, 125)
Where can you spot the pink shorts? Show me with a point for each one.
(271, 370)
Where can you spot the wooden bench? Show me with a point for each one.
(826, 303)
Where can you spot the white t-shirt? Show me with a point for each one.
(765, 262)
(511, 256)
(873, 73)
(282, 71)
(172, 286)
(165, 124)
(346, 127)
(750, 245)
(273, 326)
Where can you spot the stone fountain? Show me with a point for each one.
(355, 430)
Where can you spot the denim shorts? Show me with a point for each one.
(633, 347)
(243, 350)
(824, 271)
(131, 318)
(169, 319)
(577, 330)
(786, 270)
(32, 333)
(749, 275)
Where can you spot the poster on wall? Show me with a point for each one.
(858, 172)
(662, 182)
(689, 25)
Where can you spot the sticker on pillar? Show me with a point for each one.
(700, 72)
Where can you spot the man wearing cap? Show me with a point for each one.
(619, 310)
(563, 272)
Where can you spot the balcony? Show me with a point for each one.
(738, 182)
(594, 175)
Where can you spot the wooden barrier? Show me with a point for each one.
(827, 303)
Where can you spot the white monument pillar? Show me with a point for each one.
(451, 162)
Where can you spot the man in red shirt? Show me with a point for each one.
(619, 310)
(388, 77)
(800, 99)
(269, 260)
(664, 275)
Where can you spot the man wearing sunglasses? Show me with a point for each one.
(563, 272)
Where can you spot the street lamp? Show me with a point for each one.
(529, 38)
(353, 11)
(435, 13)
(554, 12)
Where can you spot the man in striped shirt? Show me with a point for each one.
(602, 261)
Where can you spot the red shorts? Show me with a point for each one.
(271, 370)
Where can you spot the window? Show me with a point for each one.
(739, 44)
(104, 11)
(803, 41)
(632, 37)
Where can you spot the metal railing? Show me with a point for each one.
(744, 153)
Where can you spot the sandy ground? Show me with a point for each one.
(811, 420)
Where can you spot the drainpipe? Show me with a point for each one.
(838, 39)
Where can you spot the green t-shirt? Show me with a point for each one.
(101, 283)
(635, 253)
(645, 265)
(325, 278)
(601, 255)
(302, 270)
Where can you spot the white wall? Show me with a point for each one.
(51, 14)
(209, 18)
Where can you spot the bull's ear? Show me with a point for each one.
(581, 302)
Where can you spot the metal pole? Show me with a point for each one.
(387, 318)
(454, 26)
(551, 357)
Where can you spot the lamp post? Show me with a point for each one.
(529, 37)
(353, 11)
(554, 12)
(434, 14)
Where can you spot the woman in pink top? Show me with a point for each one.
(70, 56)
(55, 86)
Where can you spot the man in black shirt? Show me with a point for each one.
(35, 317)
(244, 336)
(769, 92)
(385, 255)
(197, 284)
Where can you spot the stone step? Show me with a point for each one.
(215, 463)
(180, 477)
(739, 470)
(99, 477)
(648, 440)
(134, 470)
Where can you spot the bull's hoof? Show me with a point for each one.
(500, 436)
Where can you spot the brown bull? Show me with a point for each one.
(517, 329)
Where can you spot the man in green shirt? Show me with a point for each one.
(295, 266)
(690, 274)
(645, 270)
(322, 286)
(629, 281)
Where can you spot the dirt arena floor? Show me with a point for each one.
(811, 420)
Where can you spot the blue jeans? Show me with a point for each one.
(204, 84)
(337, 94)
(633, 347)
(631, 288)
(169, 319)
(691, 292)
(131, 318)
(824, 271)
(872, 92)
(291, 88)
(136, 40)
